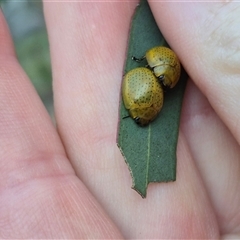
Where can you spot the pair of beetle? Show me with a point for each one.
(142, 87)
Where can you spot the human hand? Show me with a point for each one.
(73, 182)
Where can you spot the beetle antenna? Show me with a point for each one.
(126, 117)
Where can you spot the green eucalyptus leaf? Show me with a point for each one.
(150, 152)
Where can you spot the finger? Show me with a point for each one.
(87, 77)
(214, 148)
(40, 195)
(26, 129)
(216, 153)
(206, 38)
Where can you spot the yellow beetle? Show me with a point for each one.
(142, 95)
(165, 65)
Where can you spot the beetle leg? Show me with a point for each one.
(161, 81)
(137, 120)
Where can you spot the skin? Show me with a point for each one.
(73, 182)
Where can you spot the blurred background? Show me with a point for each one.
(26, 22)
